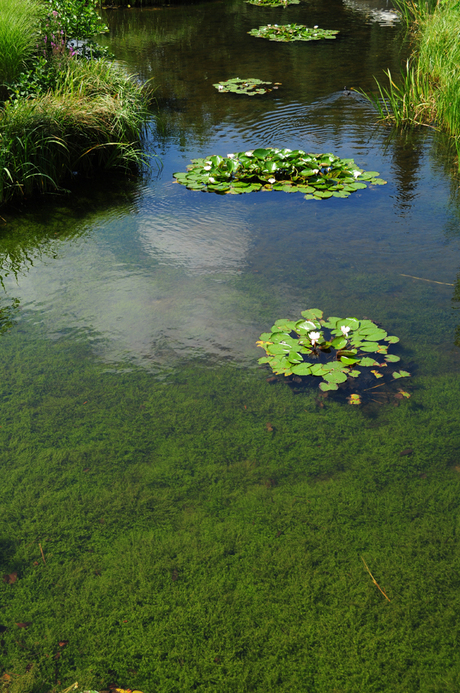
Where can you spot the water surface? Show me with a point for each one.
(204, 529)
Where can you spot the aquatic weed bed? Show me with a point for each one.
(187, 526)
(292, 32)
(320, 176)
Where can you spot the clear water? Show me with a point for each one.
(144, 449)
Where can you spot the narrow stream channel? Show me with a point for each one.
(203, 528)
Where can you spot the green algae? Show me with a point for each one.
(207, 530)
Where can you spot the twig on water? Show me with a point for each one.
(433, 281)
(374, 580)
(43, 555)
(373, 388)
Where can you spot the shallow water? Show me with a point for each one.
(144, 449)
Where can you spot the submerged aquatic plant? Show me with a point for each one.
(334, 350)
(250, 87)
(292, 32)
(318, 175)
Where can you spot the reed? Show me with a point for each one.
(427, 91)
(95, 118)
(19, 28)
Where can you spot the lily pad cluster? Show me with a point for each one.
(292, 32)
(250, 87)
(273, 3)
(320, 176)
(333, 350)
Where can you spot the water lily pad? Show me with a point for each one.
(292, 32)
(328, 386)
(401, 374)
(335, 377)
(269, 169)
(249, 87)
(302, 369)
(273, 3)
(392, 358)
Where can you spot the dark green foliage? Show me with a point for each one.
(76, 18)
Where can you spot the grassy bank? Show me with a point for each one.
(63, 114)
(426, 93)
(93, 119)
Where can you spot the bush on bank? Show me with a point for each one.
(65, 114)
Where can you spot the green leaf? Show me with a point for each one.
(392, 340)
(265, 359)
(354, 374)
(312, 314)
(318, 370)
(278, 349)
(294, 357)
(339, 343)
(376, 335)
(392, 358)
(367, 362)
(301, 369)
(349, 362)
(328, 386)
(352, 323)
(401, 374)
(335, 377)
(370, 347)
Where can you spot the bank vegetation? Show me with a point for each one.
(426, 93)
(66, 108)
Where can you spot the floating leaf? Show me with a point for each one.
(392, 358)
(392, 340)
(368, 361)
(302, 369)
(354, 399)
(377, 374)
(312, 314)
(401, 374)
(369, 346)
(328, 386)
(335, 377)
(404, 393)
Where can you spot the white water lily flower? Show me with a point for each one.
(356, 174)
(220, 87)
(314, 336)
(207, 168)
(315, 27)
(230, 156)
(211, 179)
(345, 330)
(288, 150)
(316, 170)
(272, 180)
(248, 153)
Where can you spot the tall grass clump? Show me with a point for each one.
(19, 30)
(426, 92)
(94, 118)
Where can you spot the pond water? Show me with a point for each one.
(201, 527)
